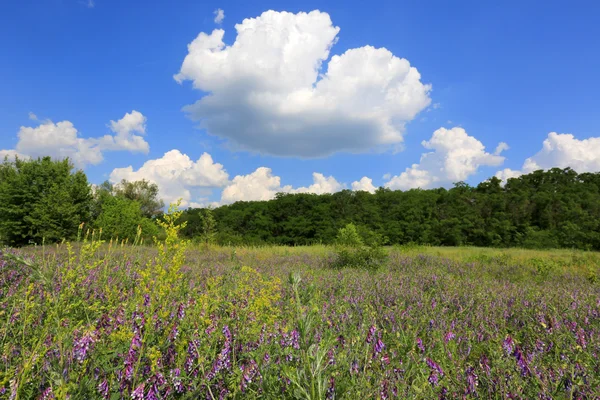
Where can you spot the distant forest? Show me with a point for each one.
(558, 208)
(45, 200)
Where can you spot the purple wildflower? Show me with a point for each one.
(379, 346)
(138, 393)
(330, 394)
(354, 367)
(508, 345)
(449, 336)
(472, 380)
(420, 345)
(371, 334)
(82, 345)
(103, 389)
(250, 371)
(47, 394)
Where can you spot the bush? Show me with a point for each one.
(369, 258)
(348, 236)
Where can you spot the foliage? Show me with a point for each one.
(557, 208)
(143, 192)
(41, 200)
(348, 236)
(369, 258)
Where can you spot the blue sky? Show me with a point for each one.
(511, 72)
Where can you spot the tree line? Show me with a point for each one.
(558, 208)
(46, 200)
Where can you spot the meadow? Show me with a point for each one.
(106, 320)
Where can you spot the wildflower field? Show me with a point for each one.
(98, 320)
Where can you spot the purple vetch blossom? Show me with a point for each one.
(223, 360)
(449, 336)
(138, 393)
(522, 362)
(472, 381)
(384, 390)
(82, 345)
(354, 367)
(508, 344)
(266, 358)
(331, 357)
(434, 378)
(181, 311)
(371, 334)
(295, 336)
(434, 366)
(420, 345)
(193, 355)
(177, 385)
(249, 372)
(485, 365)
(379, 346)
(103, 389)
(146, 300)
(47, 394)
(330, 394)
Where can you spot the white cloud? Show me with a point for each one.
(266, 92)
(175, 174)
(321, 185)
(62, 140)
(219, 15)
(501, 147)
(561, 150)
(125, 139)
(365, 184)
(11, 154)
(32, 116)
(455, 157)
(263, 185)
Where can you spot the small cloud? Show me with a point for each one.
(449, 122)
(219, 15)
(500, 148)
(90, 4)
(32, 116)
(387, 176)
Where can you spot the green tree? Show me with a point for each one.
(41, 199)
(144, 192)
(120, 218)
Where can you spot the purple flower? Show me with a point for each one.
(472, 381)
(433, 378)
(434, 366)
(354, 367)
(181, 311)
(371, 334)
(508, 345)
(295, 339)
(103, 389)
(420, 345)
(330, 394)
(177, 385)
(449, 336)
(47, 394)
(522, 362)
(138, 393)
(249, 372)
(82, 345)
(379, 346)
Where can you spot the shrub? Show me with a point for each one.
(369, 258)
